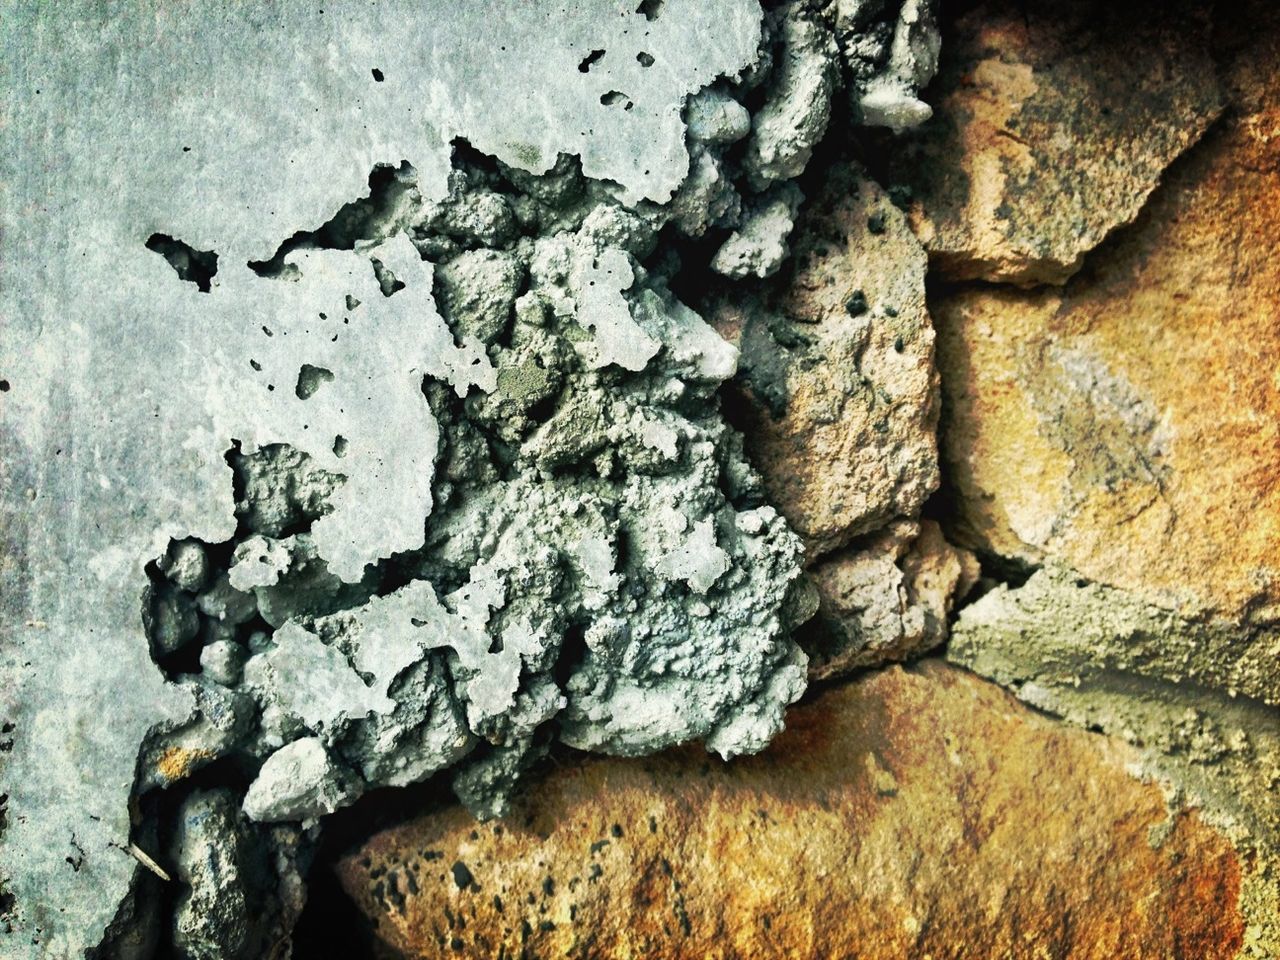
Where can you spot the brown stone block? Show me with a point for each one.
(920, 813)
(1129, 423)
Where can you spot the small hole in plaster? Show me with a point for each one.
(590, 60)
(311, 379)
(192, 265)
(651, 9)
(387, 280)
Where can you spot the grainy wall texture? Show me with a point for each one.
(401, 403)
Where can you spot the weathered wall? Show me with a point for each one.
(417, 396)
(352, 432)
(1093, 195)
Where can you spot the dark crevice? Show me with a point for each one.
(590, 60)
(168, 612)
(365, 219)
(331, 925)
(192, 265)
(997, 570)
(8, 902)
(573, 653)
(160, 811)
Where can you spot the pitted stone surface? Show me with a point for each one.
(838, 394)
(918, 812)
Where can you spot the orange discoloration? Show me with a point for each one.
(177, 763)
(913, 813)
(1129, 423)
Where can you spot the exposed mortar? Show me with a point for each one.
(434, 480)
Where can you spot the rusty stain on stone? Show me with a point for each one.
(176, 763)
(1005, 834)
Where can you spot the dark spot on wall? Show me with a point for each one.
(311, 379)
(192, 265)
(856, 305)
(650, 9)
(461, 875)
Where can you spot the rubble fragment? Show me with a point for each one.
(836, 381)
(887, 598)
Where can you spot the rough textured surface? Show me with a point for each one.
(1054, 124)
(1129, 424)
(889, 63)
(1122, 434)
(758, 247)
(1197, 702)
(362, 430)
(888, 597)
(914, 813)
(126, 385)
(212, 919)
(836, 385)
(352, 430)
(1113, 631)
(798, 103)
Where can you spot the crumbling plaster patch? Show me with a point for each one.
(152, 146)
(202, 124)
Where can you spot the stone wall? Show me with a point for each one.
(690, 479)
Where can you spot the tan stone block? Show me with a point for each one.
(1129, 423)
(917, 813)
(886, 598)
(837, 394)
(1052, 125)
